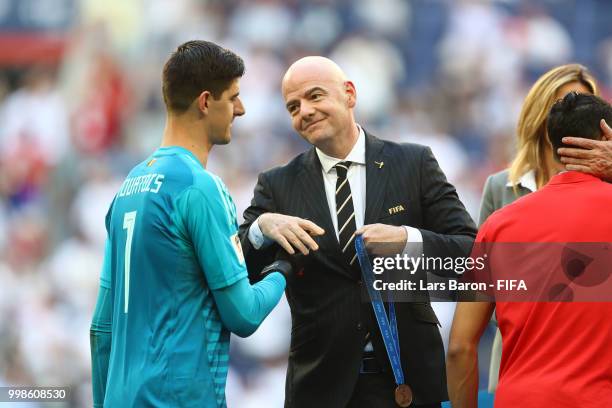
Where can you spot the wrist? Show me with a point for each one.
(403, 231)
(263, 219)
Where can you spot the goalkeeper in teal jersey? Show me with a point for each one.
(174, 282)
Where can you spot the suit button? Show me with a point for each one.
(359, 326)
(359, 283)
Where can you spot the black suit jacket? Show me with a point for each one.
(330, 313)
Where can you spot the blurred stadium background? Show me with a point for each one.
(80, 104)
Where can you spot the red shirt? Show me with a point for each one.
(555, 354)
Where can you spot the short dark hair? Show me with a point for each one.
(577, 115)
(198, 66)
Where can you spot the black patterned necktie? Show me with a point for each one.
(345, 213)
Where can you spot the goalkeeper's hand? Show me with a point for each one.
(287, 264)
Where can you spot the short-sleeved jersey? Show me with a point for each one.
(555, 354)
(173, 238)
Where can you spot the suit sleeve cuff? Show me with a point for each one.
(414, 242)
(256, 237)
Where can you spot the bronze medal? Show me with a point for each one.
(403, 395)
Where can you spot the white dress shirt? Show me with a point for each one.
(357, 180)
(356, 176)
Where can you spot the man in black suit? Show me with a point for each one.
(351, 183)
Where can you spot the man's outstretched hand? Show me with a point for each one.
(289, 232)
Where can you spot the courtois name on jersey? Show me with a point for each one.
(150, 183)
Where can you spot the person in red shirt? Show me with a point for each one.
(555, 354)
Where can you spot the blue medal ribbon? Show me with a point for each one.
(388, 326)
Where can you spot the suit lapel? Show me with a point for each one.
(376, 178)
(313, 194)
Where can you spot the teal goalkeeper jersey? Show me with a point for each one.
(173, 237)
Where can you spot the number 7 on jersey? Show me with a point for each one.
(129, 219)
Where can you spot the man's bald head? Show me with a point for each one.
(315, 68)
(320, 100)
